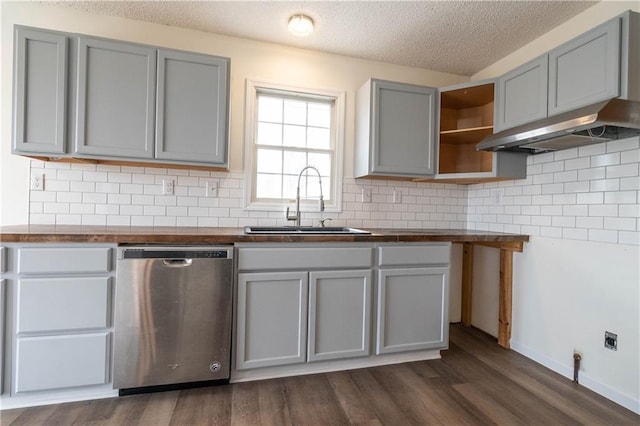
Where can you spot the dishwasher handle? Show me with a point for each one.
(177, 263)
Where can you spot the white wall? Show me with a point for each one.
(249, 59)
(579, 274)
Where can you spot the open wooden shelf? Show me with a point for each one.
(469, 135)
(466, 118)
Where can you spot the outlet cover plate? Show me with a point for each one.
(611, 340)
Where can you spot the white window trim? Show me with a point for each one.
(252, 89)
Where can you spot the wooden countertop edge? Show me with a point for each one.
(150, 235)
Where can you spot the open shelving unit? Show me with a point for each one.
(466, 118)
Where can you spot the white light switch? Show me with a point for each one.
(211, 188)
(366, 195)
(397, 197)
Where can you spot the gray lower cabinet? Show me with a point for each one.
(271, 319)
(192, 110)
(522, 94)
(339, 314)
(413, 297)
(40, 92)
(411, 309)
(116, 99)
(60, 319)
(395, 130)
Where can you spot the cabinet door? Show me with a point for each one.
(522, 94)
(271, 319)
(40, 92)
(191, 123)
(585, 70)
(403, 129)
(412, 309)
(339, 314)
(54, 362)
(116, 99)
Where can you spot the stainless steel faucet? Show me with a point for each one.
(296, 217)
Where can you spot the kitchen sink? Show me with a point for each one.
(301, 230)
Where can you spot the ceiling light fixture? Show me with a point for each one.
(300, 25)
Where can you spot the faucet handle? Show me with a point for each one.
(291, 217)
(322, 221)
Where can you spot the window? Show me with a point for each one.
(287, 130)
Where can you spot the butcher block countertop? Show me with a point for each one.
(211, 235)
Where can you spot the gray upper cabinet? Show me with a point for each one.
(191, 122)
(598, 65)
(522, 94)
(395, 130)
(116, 99)
(585, 70)
(40, 102)
(86, 97)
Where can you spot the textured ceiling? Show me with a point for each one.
(460, 37)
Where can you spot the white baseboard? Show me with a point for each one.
(600, 388)
(56, 397)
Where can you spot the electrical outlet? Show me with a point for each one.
(611, 340)
(366, 195)
(397, 197)
(167, 187)
(497, 194)
(37, 182)
(211, 189)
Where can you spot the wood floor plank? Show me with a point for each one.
(312, 401)
(159, 409)
(498, 414)
(33, 416)
(412, 405)
(379, 397)
(273, 403)
(356, 407)
(245, 404)
(203, 406)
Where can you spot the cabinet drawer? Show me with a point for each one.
(54, 362)
(273, 258)
(432, 254)
(62, 259)
(50, 304)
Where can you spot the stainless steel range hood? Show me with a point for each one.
(612, 119)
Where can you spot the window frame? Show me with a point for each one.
(254, 87)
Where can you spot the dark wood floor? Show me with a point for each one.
(475, 383)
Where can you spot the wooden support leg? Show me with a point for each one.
(504, 309)
(467, 283)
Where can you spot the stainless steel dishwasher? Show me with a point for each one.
(172, 316)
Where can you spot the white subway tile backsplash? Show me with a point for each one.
(589, 150)
(605, 159)
(621, 197)
(624, 170)
(582, 193)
